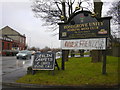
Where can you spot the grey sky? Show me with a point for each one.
(18, 15)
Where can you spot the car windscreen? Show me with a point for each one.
(23, 52)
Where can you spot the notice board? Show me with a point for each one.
(44, 61)
(91, 44)
(82, 26)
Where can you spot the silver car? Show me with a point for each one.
(24, 54)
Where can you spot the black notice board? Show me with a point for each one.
(44, 61)
(82, 26)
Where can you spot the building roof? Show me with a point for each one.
(4, 37)
(9, 34)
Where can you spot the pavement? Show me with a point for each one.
(10, 82)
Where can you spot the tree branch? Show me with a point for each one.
(58, 7)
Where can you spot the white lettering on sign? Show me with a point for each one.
(47, 55)
(97, 43)
(44, 61)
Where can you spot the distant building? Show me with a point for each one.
(11, 40)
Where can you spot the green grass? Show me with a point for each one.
(78, 71)
(85, 53)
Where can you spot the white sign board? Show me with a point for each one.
(96, 43)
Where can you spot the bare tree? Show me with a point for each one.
(46, 49)
(34, 48)
(114, 12)
(51, 11)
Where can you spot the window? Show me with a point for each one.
(8, 46)
(2, 45)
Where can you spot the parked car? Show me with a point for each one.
(24, 54)
(58, 53)
(32, 52)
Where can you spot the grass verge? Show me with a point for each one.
(78, 71)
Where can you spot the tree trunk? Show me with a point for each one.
(65, 53)
(81, 53)
(98, 7)
(97, 54)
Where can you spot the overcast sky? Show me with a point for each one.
(18, 15)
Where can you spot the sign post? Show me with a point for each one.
(104, 62)
(63, 60)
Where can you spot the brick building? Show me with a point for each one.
(11, 40)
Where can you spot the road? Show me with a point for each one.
(11, 64)
(13, 68)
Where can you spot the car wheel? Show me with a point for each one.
(30, 57)
(17, 57)
(26, 58)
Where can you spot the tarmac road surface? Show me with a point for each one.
(13, 68)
